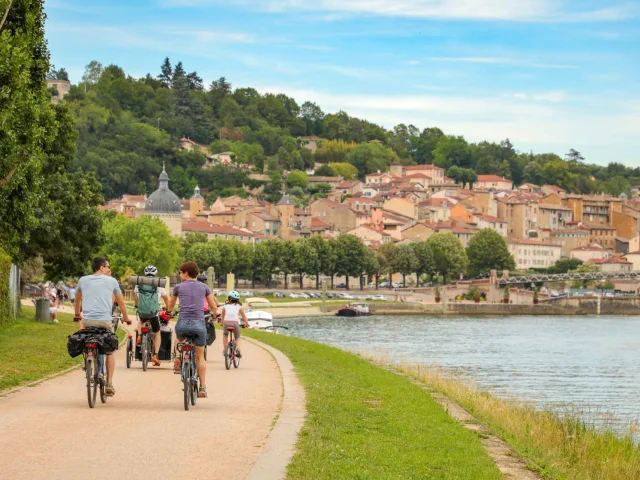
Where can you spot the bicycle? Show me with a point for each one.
(94, 370)
(231, 352)
(189, 372)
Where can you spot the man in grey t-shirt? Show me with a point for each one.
(93, 302)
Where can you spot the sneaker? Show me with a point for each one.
(155, 360)
(238, 354)
(138, 339)
(109, 391)
(177, 367)
(202, 392)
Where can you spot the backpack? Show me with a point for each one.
(148, 304)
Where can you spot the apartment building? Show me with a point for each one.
(487, 221)
(569, 239)
(521, 217)
(338, 215)
(219, 231)
(603, 235)
(529, 253)
(590, 252)
(492, 182)
(554, 216)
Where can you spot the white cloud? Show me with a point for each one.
(499, 61)
(522, 10)
(553, 96)
(353, 72)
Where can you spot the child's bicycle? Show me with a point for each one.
(231, 352)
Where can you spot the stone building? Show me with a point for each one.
(165, 205)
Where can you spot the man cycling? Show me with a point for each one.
(93, 306)
(146, 298)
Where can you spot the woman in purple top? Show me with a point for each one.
(191, 321)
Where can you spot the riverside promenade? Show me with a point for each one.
(246, 428)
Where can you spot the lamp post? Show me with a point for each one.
(159, 123)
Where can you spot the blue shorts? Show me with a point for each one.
(196, 328)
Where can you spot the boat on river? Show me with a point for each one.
(259, 319)
(355, 310)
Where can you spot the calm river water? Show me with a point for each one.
(586, 364)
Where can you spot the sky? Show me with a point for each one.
(550, 75)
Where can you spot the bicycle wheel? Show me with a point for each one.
(227, 356)
(103, 382)
(236, 359)
(91, 381)
(129, 352)
(186, 382)
(144, 351)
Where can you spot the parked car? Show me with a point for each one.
(278, 294)
(341, 285)
(378, 297)
(346, 296)
(554, 293)
(384, 285)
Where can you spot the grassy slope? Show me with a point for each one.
(364, 422)
(30, 350)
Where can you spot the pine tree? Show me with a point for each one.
(195, 82)
(166, 73)
(178, 72)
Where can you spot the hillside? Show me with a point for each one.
(128, 127)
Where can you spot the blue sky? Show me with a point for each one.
(549, 74)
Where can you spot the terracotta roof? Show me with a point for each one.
(554, 188)
(436, 202)
(615, 259)
(492, 178)
(594, 247)
(599, 227)
(418, 175)
(134, 198)
(489, 218)
(531, 241)
(299, 211)
(316, 222)
(209, 228)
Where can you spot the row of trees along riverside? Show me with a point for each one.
(442, 255)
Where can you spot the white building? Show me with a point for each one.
(529, 253)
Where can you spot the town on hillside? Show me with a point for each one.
(540, 224)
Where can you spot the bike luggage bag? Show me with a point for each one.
(164, 353)
(211, 333)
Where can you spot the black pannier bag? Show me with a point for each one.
(105, 341)
(211, 333)
(164, 352)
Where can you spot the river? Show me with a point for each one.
(588, 365)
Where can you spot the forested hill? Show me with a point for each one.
(128, 127)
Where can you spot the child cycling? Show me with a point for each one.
(231, 311)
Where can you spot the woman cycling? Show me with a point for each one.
(231, 310)
(191, 320)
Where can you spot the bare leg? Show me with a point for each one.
(156, 343)
(201, 366)
(111, 366)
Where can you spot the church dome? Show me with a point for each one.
(163, 200)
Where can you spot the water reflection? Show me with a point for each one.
(585, 364)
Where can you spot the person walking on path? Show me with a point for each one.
(93, 305)
(191, 320)
(72, 294)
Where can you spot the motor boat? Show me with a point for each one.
(259, 319)
(355, 310)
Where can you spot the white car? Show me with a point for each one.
(378, 297)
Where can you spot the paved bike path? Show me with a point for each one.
(48, 431)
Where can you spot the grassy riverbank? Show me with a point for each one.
(364, 422)
(30, 351)
(561, 448)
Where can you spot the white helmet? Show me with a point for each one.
(150, 271)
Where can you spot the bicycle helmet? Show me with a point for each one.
(234, 295)
(202, 278)
(150, 271)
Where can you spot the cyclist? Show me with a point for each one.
(93, 306)
(191, 320)
(146, 299)
(231, 310)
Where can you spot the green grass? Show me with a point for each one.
(366, 423)
(30, 351)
